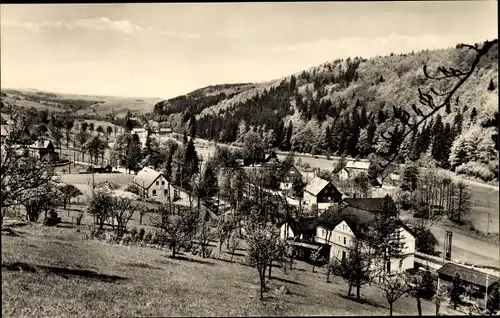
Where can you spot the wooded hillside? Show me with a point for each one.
(342, 107)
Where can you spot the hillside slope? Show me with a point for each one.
(342, 107)
(98, 106)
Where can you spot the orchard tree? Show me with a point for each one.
(177, 230)
(68, 191)
(261, 242)
(20, 176)
(392, 287)
(421, 286)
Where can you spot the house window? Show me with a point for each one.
(154, 192)
(157, 182)
(388, 266)
(166, 192)
(323, 232)
(343, 255)
(163, 183)
(345, 240)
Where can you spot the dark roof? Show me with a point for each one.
(366, 204)
(288, 168)
(469, 275)
(303, 225)
(358, 220)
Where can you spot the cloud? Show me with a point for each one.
(102, 24)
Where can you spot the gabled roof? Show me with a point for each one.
(303, 225)
(4, 130)
(41, 144)
(469, 275)
(316, 185)
(290, 167)
(270, 155)
(354, 164)
(146, 177)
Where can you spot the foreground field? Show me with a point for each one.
(54, 272)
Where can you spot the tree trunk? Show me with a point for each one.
(173, 250)
(419, 307)
(438, 304)
(328, 275)
(314, 266)
(140, 219)
(358, 290)
(350, 289)
(270, 268)
(390, 309)
(220, 247)
(262, 283)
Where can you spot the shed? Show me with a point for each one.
(478, 280)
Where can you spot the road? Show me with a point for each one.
(468, 249)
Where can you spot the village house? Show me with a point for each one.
(355, 167)
(44, 150)
(343, 174)
(322, 193)
(301, 234)
(154, 184)
(480, 283)
(271, 158)
(165, 131)
(337, 233)
(289, 175)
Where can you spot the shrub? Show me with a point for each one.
(425, 241)
(476, 169)
(148, 237)
(133, 233)
(134, 189)
(141, 234)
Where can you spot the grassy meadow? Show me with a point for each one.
(55, 272)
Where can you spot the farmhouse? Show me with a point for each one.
(479, 282)
(156, 186)
(322, 193)
(271, 157)
(44, 149)
(289, 176)
(354, 167)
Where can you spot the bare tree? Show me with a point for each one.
(121, 212)
(224, 229)
(392, 287)
(233, 244)
(205, 237)
(175, 229)
(462, 201)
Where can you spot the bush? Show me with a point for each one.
(134, 189)
(133, 233)
(141, 234)
(425, 241)
(476, 169)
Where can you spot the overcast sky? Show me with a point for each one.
(164, 50)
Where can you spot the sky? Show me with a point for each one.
(170, 49)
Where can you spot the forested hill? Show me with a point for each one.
(342, 107)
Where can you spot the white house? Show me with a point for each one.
(343, 174)
(155, 185)
(347, 230)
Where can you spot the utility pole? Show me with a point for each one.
(486, 293)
